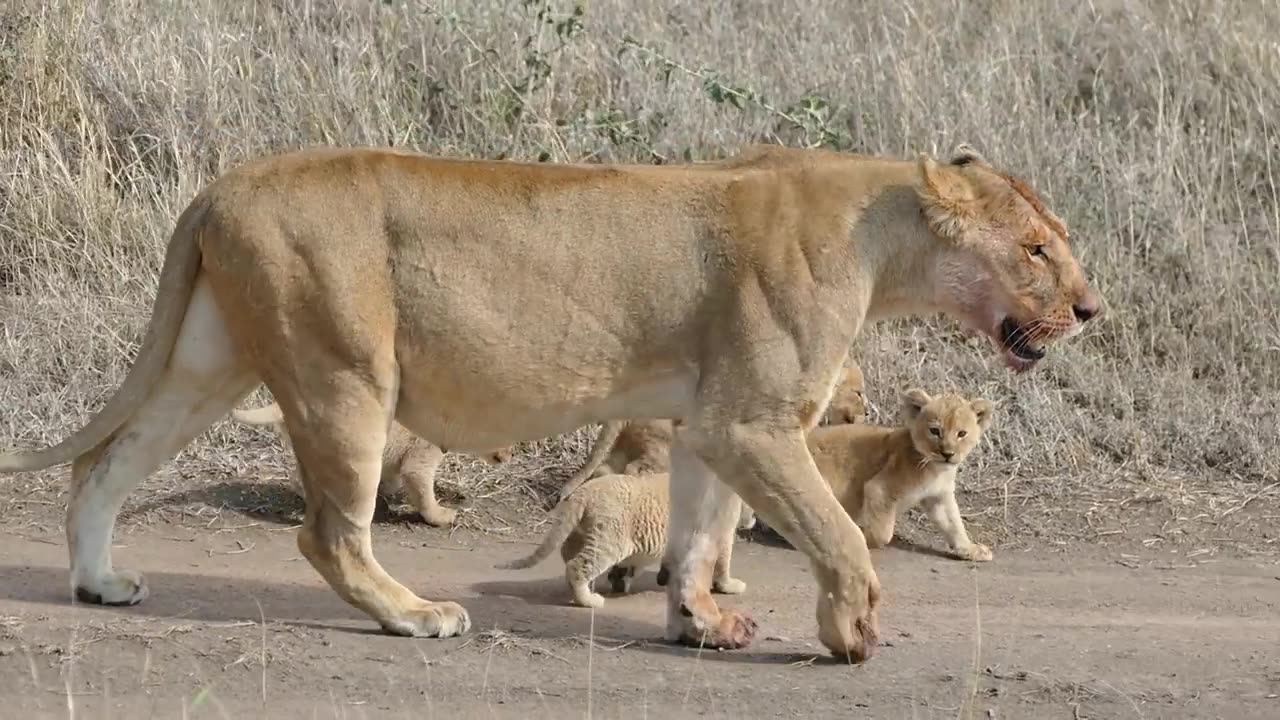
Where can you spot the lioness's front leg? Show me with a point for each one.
(700, 515)
(771, 470)
(945, 513)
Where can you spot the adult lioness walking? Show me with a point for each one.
(482, 303)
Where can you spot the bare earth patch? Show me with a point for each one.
(1116, 625)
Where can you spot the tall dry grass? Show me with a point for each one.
(1151, 126)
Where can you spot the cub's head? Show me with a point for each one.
(1005, 268)
(848, 403)
(945, 429)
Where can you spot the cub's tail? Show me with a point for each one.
(566, 517)
(603, 446)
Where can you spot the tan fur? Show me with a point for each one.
(644, 446)
(409, 463)
(483, 303)
(877, 472)
(618, 523)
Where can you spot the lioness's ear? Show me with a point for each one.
(984, 410)
(947, 197)
(913, 401)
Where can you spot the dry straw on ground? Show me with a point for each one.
(1150, 125)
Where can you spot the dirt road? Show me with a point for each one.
(1035, 634)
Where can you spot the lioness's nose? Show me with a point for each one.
(1088, 306)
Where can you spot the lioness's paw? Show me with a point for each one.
(729, 586)
(441, 619)
(735, 630)
(975, 552)
(123, 587)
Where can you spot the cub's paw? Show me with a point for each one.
(728, 586)
(439, 516)
(975, 552)
(588, 599)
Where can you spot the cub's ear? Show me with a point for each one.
(913, 401)
(965, 154)
(984, 410)
(947, 196)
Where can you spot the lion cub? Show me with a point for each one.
(877, 471)
(409, 463)
(638, 447)
(618, 523)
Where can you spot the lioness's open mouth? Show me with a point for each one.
(1021, 353)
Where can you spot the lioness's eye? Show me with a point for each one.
(1036, 250)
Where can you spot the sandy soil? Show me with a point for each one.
(1040, 632)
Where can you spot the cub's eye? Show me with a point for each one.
(936, 432)
(962, 433)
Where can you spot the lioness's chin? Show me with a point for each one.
(1020, 350)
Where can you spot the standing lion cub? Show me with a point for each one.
(618, 523)
(876, 471)
(408, 463)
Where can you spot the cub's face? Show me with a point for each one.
(848, 403)
(1006, 269)
(947, 428)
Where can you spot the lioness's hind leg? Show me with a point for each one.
(701, 514)
(204, 380)
(418, 473)
(339, 452)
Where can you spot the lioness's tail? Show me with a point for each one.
(565, 518)
(599, 451)
(266, 415)
(173, 295)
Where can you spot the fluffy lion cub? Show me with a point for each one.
(877, 471)
(618, 523)
(640, 447)
(409, 463)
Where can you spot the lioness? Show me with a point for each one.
(483, 303)
(637, 447)
(409, 463)
(618, 523)
(877, 471)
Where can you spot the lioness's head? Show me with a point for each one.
(848, 403)
(1006, 268)
(945, 429)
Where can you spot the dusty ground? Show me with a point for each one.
(1048, 630)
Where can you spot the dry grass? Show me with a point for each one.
(1150, 124)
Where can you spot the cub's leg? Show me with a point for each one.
(945, 513)
(620, 578)
(418, 473)
(205, 378)
(771, 470)
(339, 449)
(878, 516)
(600, 551)
(721, 581)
